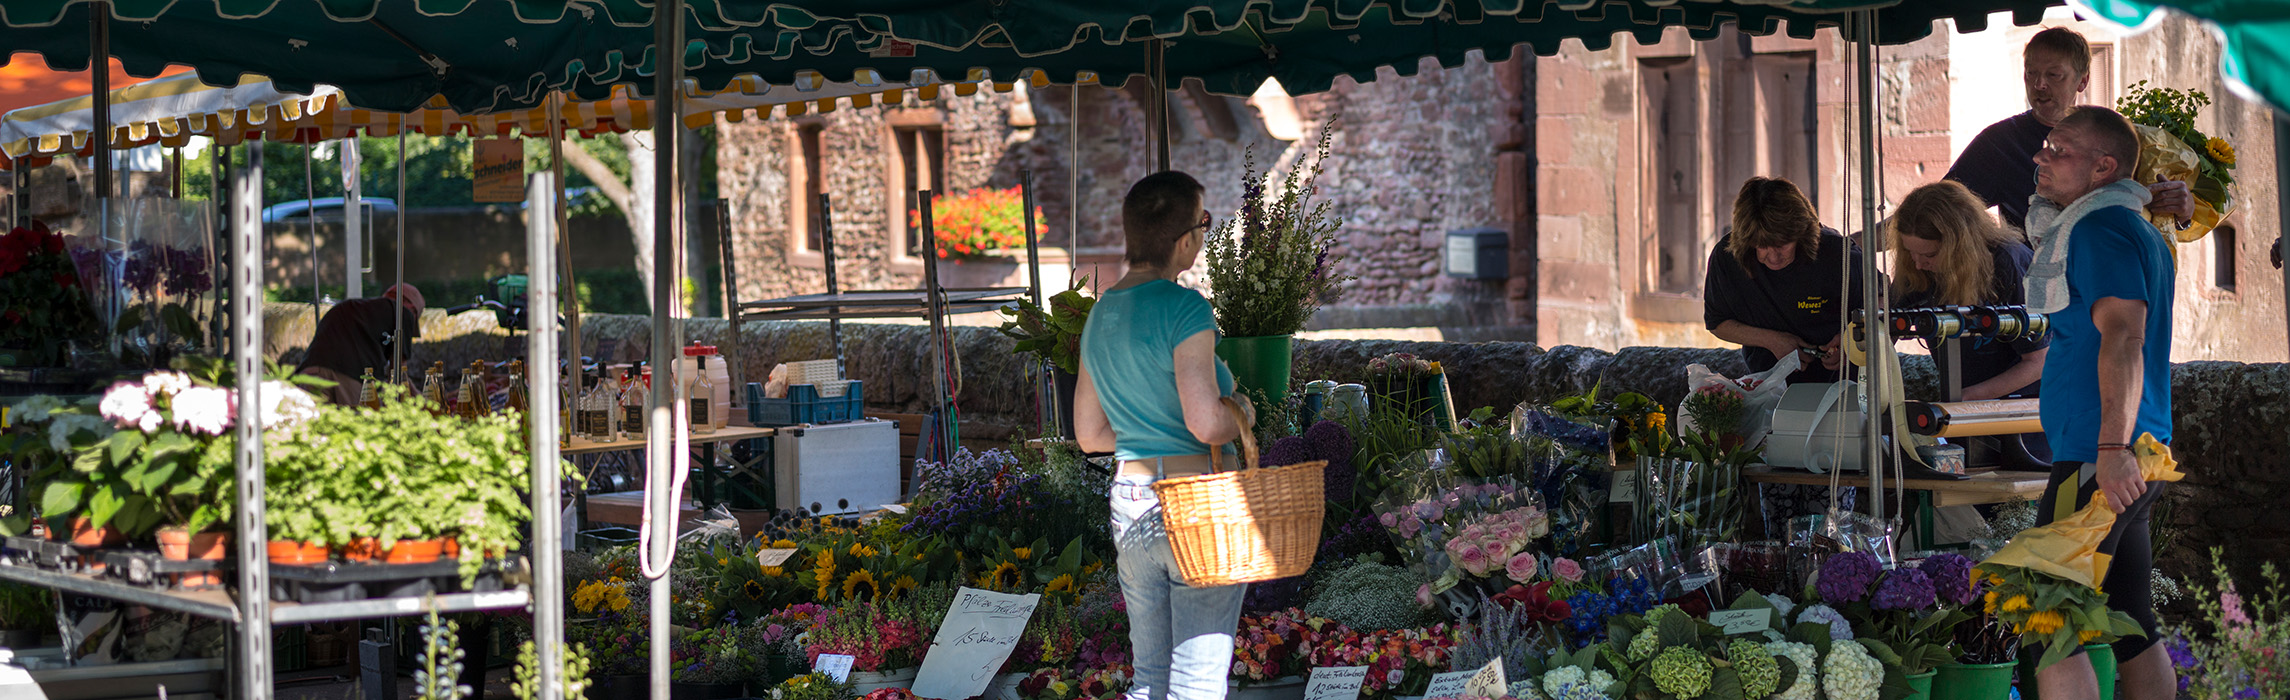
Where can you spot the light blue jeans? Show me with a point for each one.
(1180, 636)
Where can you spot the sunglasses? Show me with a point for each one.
(1205, 223)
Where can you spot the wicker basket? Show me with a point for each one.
(1246, 525)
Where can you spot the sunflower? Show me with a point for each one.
(861, 551)
(861, 586)
(1003, 577)
(774, 571)
(2220, 151)
(824, 569)
(1023, 553)
(904, 584)
(1657, 421)
(2044, 622)
(783, 544)
(1062, 584)
(753, 590)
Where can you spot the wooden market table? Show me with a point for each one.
(621, 509)
(1930, 494)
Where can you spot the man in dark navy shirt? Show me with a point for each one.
(1999, 165)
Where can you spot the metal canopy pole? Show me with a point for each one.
(99, 144)
(542, 190)
(663, 435)
(2282, 174)
(1874, 323)
(1073, 180)
(942, 362)
(246, 355)
(827, 254)
(397, 320)
(1155, 56)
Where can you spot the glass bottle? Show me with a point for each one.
(701, 394)
(595, 412)
(520, 402)
(565, 397)
(632, 400)
(433, 388)
(469, 397)
(369, 390)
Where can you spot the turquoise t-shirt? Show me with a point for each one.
(1129, 349)
(2112, 253)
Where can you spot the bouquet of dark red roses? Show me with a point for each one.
(41, 301)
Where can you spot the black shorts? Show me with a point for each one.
(2129, 543)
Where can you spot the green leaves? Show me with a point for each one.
(61, 498)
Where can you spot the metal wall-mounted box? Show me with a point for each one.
(1482, 253)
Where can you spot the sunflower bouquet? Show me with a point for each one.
(856, 568)
(2171, 148)
(2044, 609)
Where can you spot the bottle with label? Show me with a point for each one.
(595, 412)
(433, 388)
(632, 400)
(701, 395)
(469, 397)
(520, 400)
(369, 390)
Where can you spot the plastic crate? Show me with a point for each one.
(290, 648)
(804, 404)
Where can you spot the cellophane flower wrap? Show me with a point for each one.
(1269, 268)
(2172, 148)
(41, 298)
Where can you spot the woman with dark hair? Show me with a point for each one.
(1152, 392)
(1773, 282)
(1958, 256)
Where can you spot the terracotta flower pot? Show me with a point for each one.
(414, 551)
(296, 553)
(362, 549)
(452, 549)
(84, 534)
(177, 544)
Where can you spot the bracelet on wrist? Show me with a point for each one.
(2114, 446)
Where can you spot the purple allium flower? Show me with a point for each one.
(1338, 480)
(1845, 578)
(1904, 589)
(1285, 451)
(1952, 578)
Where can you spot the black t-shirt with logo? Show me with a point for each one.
(1800, 299)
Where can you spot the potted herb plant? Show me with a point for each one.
(1269, 271)
(1053, 335)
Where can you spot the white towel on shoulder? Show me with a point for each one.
(2048, 227)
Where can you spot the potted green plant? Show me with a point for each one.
(1054, 336)
(1269, 271)
(26, 611)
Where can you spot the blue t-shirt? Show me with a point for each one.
(2113, 252)
(1129, 350)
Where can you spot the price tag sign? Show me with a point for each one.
(1487, 682)
(1625, 487)
(1336, 683)
(774, 557)
(976, 636)
(1449, 684)
(1742, 621)
(836, 666)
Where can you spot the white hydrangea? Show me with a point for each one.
(1839, 627)
(1807, 685)
(1850, 673)
(1782, 603)
(1571, 683)
(1525, 690)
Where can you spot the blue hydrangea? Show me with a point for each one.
(1904, 589)
(1846, 578)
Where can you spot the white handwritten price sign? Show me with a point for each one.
(774, 557)
(977, 635)
(1336, 683)
(1487, 682)
(836, 666)
(1743, 621)
(1449, 684)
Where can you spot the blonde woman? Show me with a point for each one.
(1956, 255)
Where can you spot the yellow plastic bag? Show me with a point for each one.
(2163, 156)
(2069, 547)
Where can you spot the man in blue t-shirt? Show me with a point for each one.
(1999, 164)
(2104, 275)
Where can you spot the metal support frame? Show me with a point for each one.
(99, 145)
(1156, 55)
(2282, 174)
(942, 361)
(246, 355)
(1875, 324)
(662, 434)
(541, 195)
(732, 355)
(827, 252)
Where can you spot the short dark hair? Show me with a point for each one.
(1159, 209)
(2064, 43)
(1771, 212)
(2110, 134)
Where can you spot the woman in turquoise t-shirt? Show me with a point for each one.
(1150, 392)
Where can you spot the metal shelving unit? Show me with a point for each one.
(251, 600)
(933, 301)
